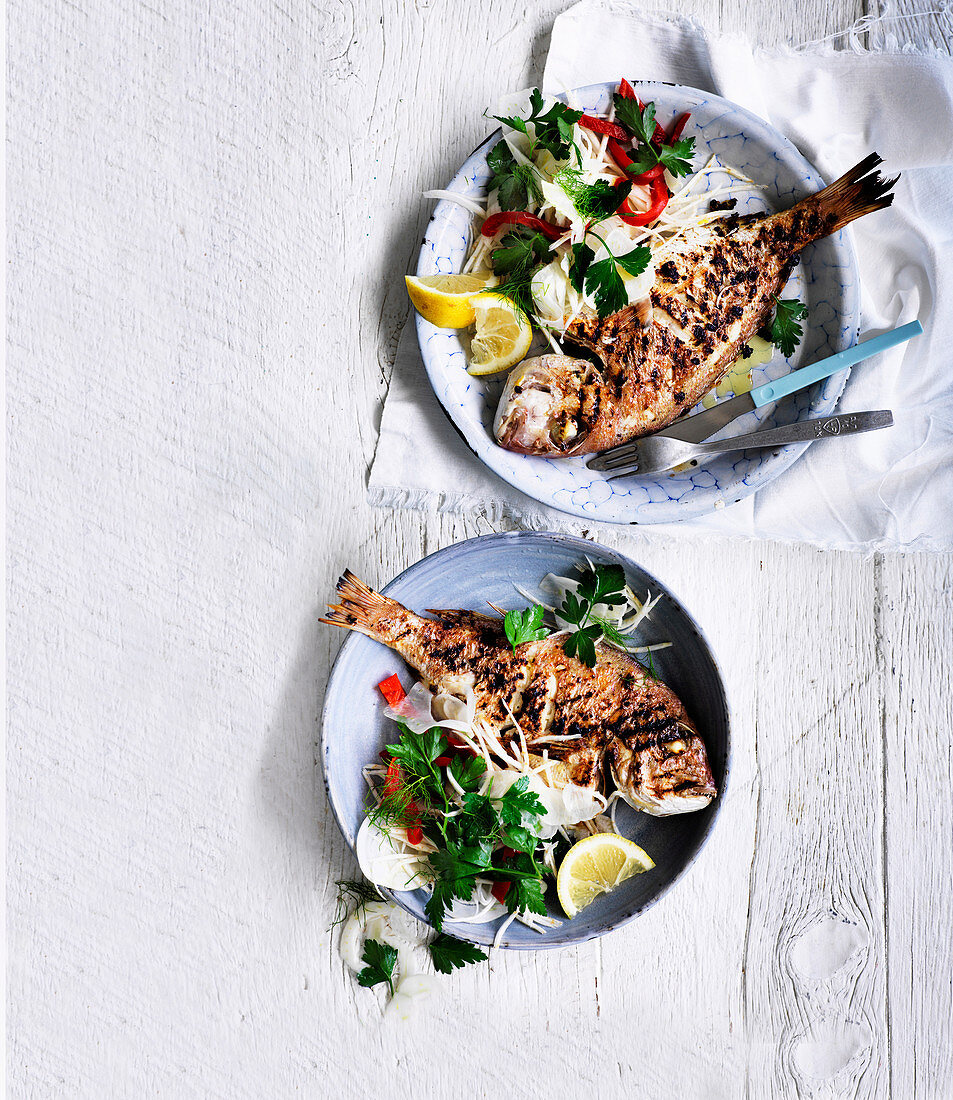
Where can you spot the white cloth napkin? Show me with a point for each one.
(886, 490)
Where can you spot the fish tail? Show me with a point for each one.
(857, 192)
(361, 608)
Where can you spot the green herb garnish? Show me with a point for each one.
(381, 959)
(604, 584)
(352, 892)
(602, 280)
(595, 201)
(449, 953)
(675, 158)
(553, 129)
(525, 626)
(786, 333)
(516, 258)
(519, 251)
(517, 185)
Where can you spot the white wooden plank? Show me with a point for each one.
(914, 635)
(815, 959)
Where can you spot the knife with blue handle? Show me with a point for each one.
(694, 429)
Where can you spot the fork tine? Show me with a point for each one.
(613, 460)
(633, 469)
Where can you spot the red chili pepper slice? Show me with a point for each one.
(391, 690)
(515, 217)
(604, 126)
(660, 196)
(415, 834)
(621, 157)
(442, 761)
(677, 126)
(392, 778)
(626, 90)
(500, 889)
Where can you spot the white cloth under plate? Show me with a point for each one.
(887, 490)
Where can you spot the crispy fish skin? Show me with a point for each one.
(709, 297)
(620, 722)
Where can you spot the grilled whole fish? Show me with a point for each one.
(613, 721)
(709, 297)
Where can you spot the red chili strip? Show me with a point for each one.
(626, 90)
(442, 761)
(514, 217)
(604, 126)
(415, 834)
(621, 157)
(659, 195)
(677, 126)
(500, 889)
(392, 778)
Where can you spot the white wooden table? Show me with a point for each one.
(212, 208)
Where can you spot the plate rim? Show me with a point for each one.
(774, 464)
(583, 546)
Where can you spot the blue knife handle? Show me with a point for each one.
(806, 376)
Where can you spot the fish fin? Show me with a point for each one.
(456, 617)
(360, 606)
(857, 192)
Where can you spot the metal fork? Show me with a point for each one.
(659, 452)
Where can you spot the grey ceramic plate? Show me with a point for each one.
(467, 575)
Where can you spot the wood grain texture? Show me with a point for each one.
(213, 207)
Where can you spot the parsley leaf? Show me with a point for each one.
(516, 184)
(449, 953)
(381, 959)
(595, 201)
(786, 333)
(468, 771)
(438, 903)
(602, 280)
(636, 261)
(520, 806)
(526, 891)
(676, 158)
(517, 256)
(582, 257)
(602, 585)
(525, 626)
(552, 129)
(518, 251)
(605, 284)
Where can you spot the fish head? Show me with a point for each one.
(668, 775)
(548, 406)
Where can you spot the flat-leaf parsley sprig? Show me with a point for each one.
(640, 121)
(525, 626)
(605, 584)
(553, 129)
(785, 331)
(602, 280)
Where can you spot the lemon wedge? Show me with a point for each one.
(597, 865)
(445, 300)
(503, 335)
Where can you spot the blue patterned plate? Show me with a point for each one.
(467, 575)
(825, 279)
